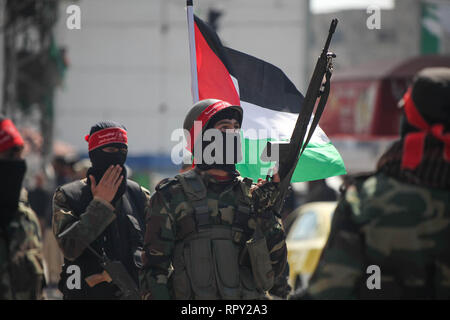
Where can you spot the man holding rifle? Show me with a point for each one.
(215, 228)
(222, 233)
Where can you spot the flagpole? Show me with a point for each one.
(193, 58)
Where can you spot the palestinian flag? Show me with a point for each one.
(271, 104)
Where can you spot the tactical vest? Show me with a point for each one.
(122, 240)
(208, 256)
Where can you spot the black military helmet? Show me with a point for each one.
(431, 95)
(209, 111)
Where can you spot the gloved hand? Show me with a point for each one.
(264, 196)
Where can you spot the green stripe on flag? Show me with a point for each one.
(319, 161)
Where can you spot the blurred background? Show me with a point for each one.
(129, 62)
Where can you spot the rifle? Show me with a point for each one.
(289, 152)
(114, 272)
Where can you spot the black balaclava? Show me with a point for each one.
(235, 149)
(431, 96)
(12, 171)
(425, 115)
(102, 160)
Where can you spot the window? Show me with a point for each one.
(305, 228)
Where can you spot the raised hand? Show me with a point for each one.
(107, 187)
(275, 178)
(265, 193)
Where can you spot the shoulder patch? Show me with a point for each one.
(165, 183)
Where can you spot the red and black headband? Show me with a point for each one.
(106, 136)
(204, 117)
(414, 144)
(9, 135)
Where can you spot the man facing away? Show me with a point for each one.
(390, 234)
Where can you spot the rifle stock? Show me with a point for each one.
(97, 278)
(113, 271)
(122, 279)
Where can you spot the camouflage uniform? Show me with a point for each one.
(204, 251)
(21, 257)
(402, 227)
(98, 220)
(99, 214)
(390, 234)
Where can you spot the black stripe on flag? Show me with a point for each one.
(263, 84)
(260, 82)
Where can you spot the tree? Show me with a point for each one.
(34, 65)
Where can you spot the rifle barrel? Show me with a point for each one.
(288, 162)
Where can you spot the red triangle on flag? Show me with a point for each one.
(214, 80)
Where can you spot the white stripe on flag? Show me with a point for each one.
(278, 125)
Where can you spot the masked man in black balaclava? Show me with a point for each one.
(21, 257)
(200, 221)
(100, 216)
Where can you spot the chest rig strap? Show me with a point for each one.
(196, 193)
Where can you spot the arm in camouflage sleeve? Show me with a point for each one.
(26, 255)
(341, 264)
(85, 229)
(275, 239)
(158, 247)
(263, 195)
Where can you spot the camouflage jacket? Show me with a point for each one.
(388, 240)
(98, 216)
(21, 255)
(169, 213)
